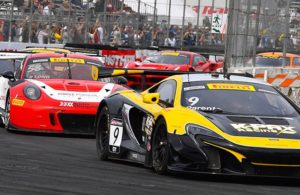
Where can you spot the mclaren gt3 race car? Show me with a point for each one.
(57, 93)
(203, 123)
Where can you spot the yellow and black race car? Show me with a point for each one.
(204, 123)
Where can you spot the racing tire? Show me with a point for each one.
(7, 114)
(102, 134)
(160, 148)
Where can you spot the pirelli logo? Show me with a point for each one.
(262, 128)
(18, 102)
(230, 86)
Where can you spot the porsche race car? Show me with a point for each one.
(203, 123)
(57, 93)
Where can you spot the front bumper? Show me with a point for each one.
(45, 118)
(216, 156)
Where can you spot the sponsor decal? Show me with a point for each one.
(149, 124)
(115, 135)
(18, 102)
(94, 73)
(230, 86)
(40, 60)
(66, 104)
(72, 60)
(202, 108)
(270, 57)
(169, 53)
(84, 105)
(262, 128)
(193, 88)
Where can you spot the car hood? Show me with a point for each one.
(258, 126)
(74, 90)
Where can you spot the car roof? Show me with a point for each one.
(180, 52)
(47, 55)
(46, 50)
(279, 54)
(209, 77)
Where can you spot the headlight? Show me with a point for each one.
(193, 129)
(32, 92)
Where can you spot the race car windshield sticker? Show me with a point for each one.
(230, 86)
(202, 108)
(72, 60)
(262, 128)
(266, 91)
(170, 53)
(193, 88)
(40, 60)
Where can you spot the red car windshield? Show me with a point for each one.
(62, 68)
(168, 59)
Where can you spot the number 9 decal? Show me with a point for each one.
(193, 100)
(115, 136)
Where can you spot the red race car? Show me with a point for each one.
(170, 60)
(57, 93)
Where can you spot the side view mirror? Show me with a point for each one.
(201, 63)
(151, 98)
(9, 75)
(121, 80)
(138, 59)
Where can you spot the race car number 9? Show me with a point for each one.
(115, 138)
(193, 100)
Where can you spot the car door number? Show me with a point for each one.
(115, 138)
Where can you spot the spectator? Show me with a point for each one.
(48, 9)
(170, 41)
(25, 32)
(65, 35)
(79, 31)
(43, 34)
(99, 6)
(34, 33)
(188, 38)
(1, 30)
(116, 36)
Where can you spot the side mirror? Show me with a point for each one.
(201, 63)
(138, 59)
(9, 75)
(121, 80)
(151, 98)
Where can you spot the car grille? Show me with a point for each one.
(77, 123)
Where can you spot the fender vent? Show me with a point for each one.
(239, 119)
(275, 121)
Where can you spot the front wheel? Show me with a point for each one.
(102, 137)
(7, 113)
(160, 148)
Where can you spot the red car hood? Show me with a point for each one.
(74, 90)
(157, 66)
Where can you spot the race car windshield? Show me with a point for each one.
(168, 59)
(9, 65)
(236, 99)
(74, 69)
(262, 61)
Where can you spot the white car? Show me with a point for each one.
(9, 61)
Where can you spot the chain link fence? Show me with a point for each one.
(121, 22)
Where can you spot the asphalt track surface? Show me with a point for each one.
(39, 164)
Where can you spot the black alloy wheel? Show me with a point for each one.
(102, 136)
